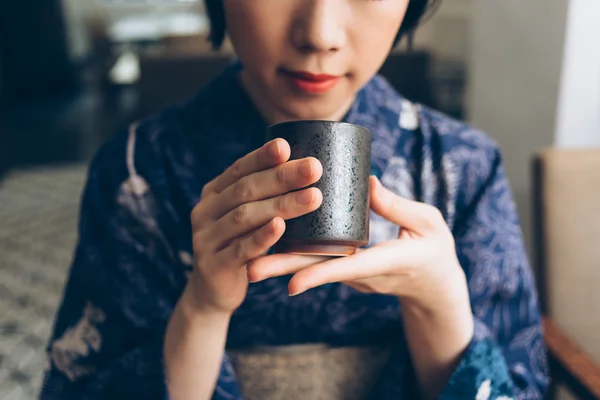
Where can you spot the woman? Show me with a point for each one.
(154, 296)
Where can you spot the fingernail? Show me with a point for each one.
(275, 149)
(256, 280)
(305, 197)
(296, 293)
(305, 169)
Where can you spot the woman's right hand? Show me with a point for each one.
(241, 215)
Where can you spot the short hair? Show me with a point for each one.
(415, 12)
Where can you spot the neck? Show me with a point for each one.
(274, 115)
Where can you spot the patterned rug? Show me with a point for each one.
(38, 219)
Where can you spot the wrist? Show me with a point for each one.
(194, 308)
(438, 330)
(448, 306)
(447, 293)
(189, 322)
(456, 321)
(193, 349)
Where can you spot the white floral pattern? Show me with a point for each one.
(75, 344)
(484, 391)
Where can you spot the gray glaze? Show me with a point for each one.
(344, 150)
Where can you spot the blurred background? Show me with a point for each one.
(72, 72)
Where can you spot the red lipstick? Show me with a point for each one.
(312, 83)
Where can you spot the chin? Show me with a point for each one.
(307, 113)
(315, 108)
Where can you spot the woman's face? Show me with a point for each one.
(307, 59)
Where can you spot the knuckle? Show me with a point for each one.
(236, 169)
(194, 215)
(282, 175)
(240, 214)
(281, 204)
(239, 249)
(243, 189)
(198, 215)
(207, 189)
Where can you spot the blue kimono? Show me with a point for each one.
(135, 253)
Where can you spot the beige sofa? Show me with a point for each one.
(567, 210)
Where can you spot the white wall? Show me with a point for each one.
(578, 117)
(515, 69)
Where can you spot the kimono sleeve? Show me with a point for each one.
(123, 285)
(506, 358)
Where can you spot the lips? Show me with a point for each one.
(312, 83)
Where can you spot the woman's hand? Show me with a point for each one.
(241, 215)
(420, 267)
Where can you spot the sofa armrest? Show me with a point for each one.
(570, 365)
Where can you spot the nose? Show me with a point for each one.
(319, 27)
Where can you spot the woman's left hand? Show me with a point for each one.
(420, 267)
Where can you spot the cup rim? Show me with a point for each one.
(312, 121)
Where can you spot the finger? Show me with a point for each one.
(247, 248)
(378, 260)
(269, 183)
(417, 217)
(250, 216)
(280, 264)
(271, 154)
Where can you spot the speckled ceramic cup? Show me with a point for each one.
(341, 224)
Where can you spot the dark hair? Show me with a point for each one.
(417, 9)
